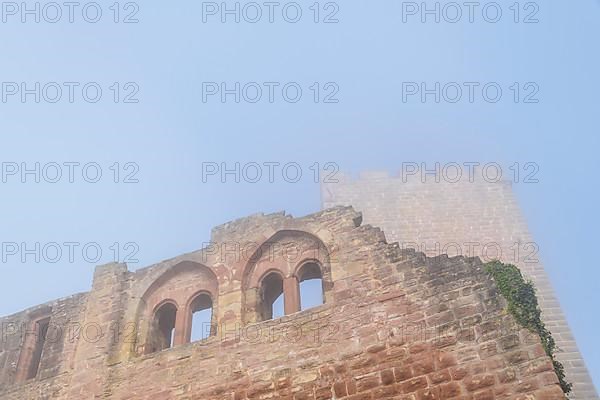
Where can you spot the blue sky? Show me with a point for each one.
(163, 139)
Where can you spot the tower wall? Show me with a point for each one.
(472, 217)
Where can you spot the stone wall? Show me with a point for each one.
(58, 351)
(472, 217)
(395, 324)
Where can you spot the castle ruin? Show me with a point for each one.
(394, 323)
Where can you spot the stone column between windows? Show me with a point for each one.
(181, 327)
(291, 297)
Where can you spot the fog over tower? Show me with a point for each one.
(472, 217)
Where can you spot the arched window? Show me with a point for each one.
(310, 280)
(163, 327)
(177, 302)
(272, 297)
(201, 309)
(284, 253)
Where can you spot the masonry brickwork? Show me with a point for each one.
(473, 217)
(395, 324)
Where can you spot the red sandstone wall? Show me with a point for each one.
(396, 325)
(477, 218)
(58, 352)
(444, 337)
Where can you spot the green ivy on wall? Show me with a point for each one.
(523, 306)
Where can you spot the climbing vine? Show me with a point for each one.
(523, 306)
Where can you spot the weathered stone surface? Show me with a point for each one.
(391, 327)
(472, 217)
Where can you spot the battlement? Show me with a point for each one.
(449, 173)
(391, 323)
